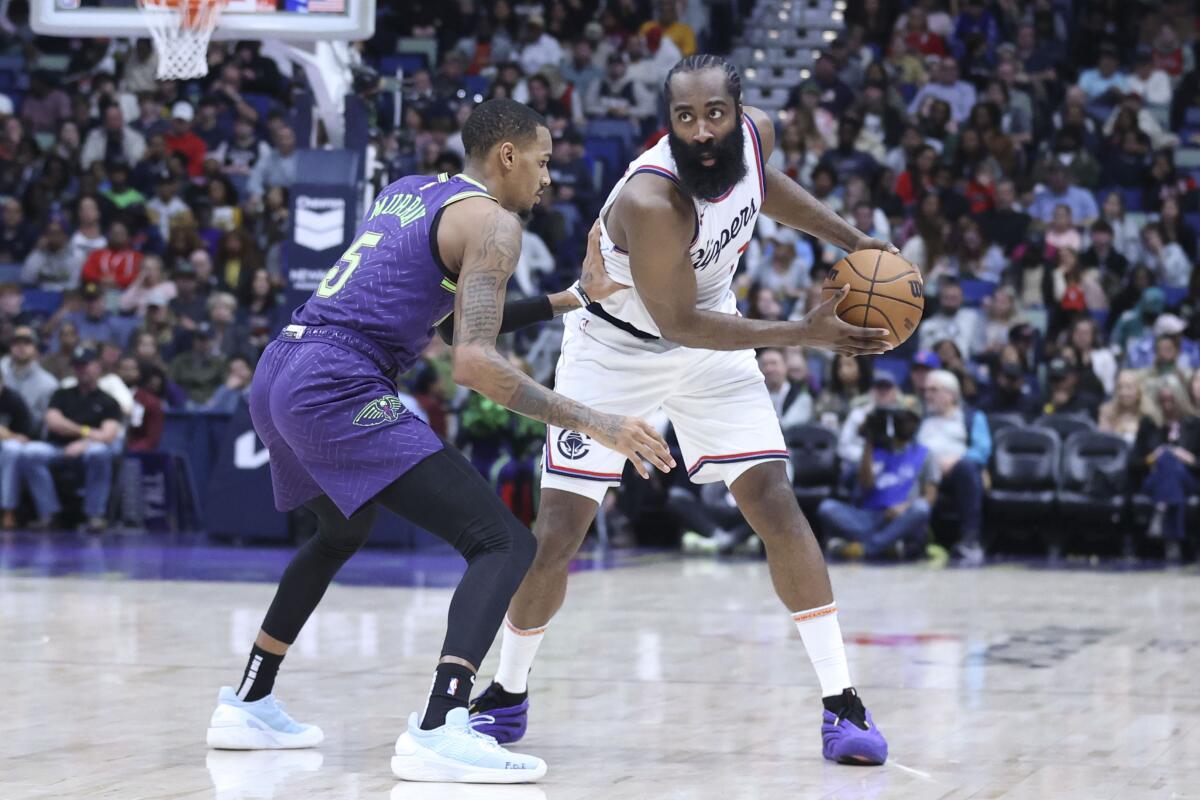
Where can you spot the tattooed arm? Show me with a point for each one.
(490, 247)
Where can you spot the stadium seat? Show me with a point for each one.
(1093, 480)
(621, 130)
(1025, 463)
(998, 422)
(1175, 295)
(813, 452)
(41, 300)
(897, 366)
(611, 154)
(1065, 424)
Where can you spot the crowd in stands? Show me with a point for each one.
(1036, 158)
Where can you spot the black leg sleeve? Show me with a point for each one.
(312, 568)
(448, 497)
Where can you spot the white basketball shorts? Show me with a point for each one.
(716, 400)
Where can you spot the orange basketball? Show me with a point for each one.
(885, 292)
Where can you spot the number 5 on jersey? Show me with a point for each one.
(337, 275)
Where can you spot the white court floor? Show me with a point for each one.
(672, 678)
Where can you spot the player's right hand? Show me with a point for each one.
(636, 440)
(822, 327)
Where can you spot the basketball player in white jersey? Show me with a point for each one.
(673, 228)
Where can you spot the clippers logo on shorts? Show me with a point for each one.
(380, 412)
(574, 445)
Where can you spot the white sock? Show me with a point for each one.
(517, 651)
(822, 637)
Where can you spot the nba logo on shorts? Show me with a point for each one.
(453, 687)
(573, 444)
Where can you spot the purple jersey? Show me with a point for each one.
(390, 285)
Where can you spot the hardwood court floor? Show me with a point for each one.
(670, 678)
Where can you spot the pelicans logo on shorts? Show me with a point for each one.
(573, 444)
(380, 412)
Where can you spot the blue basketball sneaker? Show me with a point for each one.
(261, 725)
(500, 714)
(457, 753)
(849, 734)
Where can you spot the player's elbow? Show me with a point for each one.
(472, 366)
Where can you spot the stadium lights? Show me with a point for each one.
(829, 36)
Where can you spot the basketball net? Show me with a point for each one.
(181, 30)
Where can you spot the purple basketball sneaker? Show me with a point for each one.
(500, 714)
(849, 734)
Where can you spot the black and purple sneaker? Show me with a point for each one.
(500, 714)
(849, 734)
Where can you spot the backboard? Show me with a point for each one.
(293, 20)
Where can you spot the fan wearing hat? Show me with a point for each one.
(93, 321)
(82, 422)
(1064, 393)
(884, 393)
(1010, 393)
(895, 481)
(538, 48)
(23, 373)
(183, 140)
(197, 370)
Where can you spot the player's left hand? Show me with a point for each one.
(822, 327)
(594, 278)
(868, 243)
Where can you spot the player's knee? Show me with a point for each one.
(341, 544)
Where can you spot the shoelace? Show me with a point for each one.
(482, 719)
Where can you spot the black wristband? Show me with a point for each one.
(525, 312)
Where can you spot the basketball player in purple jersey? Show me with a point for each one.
(343, 445)
(674, 227)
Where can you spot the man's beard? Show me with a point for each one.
(706, 183)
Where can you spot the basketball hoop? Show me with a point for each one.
(181, 30)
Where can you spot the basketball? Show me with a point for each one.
(885, 292)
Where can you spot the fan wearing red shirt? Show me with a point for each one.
(117, 264)
(182, 139)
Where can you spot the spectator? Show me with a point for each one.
(183, 140)
(1105, 263)
(140, 72)
(120, 195)
(1010, 393)
(1006, 224)
(1001, 313)
(1151, 83)
(960, 444)
(209, 127)
(885, 393)
(1060, 191)
(974, 256)
(1062, 233)
(952, 320)
(1092, 356)
(895, 484)
(923, 363)
(150, 286)
(165, 206)
(58, 363)
(112, 141)
(108, 357)
(793, 401)
(616, 95)
(235, 388)
(150, 122)
(52, 265)
(946, 86)
(16, 429)
(849, 381)
(835, 95)
(538, 48)
(17, 237)
(1104, 84)
(953, 362)
(1122, 414)
(93, 322)
(846, 159)
(917, 34)
(1164, 460)
(1167, 259)
(222, 315)
(1175, 229)
(88, 236)
(278, 168)
(1164, 350)
(672, 27)
(197, 370)
(1065, 393)
(21, 372)
(144, 432)
(82, 425)
(191, 299)
(116, 265)
(239, 155)
(1126, 232)
(485, 48)
(46, 107)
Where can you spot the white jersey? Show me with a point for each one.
(724, 227)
